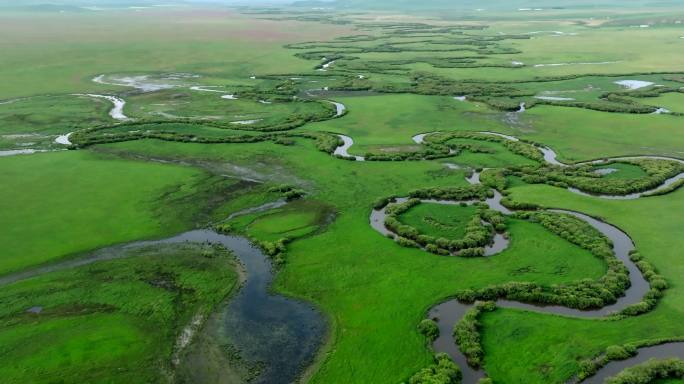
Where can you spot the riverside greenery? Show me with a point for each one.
(341, 265)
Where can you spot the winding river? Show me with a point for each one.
(450, 312)
(279, 334)
(117, 111)
(343, 150)
(283, 334)
(551, 157)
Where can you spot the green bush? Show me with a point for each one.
(442, 371)
(467, 334)
(429, 329)
(650, 371)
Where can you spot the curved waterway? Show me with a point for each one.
(663, 351)
(339, 108)
(343, 150)
(499, 242)
(117, 111)
(279, 334)
(64, 139)
(348, 142)
(450, 312)
(551, 157)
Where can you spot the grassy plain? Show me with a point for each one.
(52, 114)
(622, 171)
(373, 291)
(365, 270)
(71, 48)
(64, 203)
(578, 134)
(671, 101)
(513, 338)
(113, 321)
(438, 220)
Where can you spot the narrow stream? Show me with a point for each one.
(117, 111)
(343, 150)
(663, 351)
(339, 107)
(551, 157)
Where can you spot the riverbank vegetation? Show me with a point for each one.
(650, 371)
(190, 158)
(433, 228)
(586, 177)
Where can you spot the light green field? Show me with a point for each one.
(439, 220)
(107, 322)
(496, 157)
(577, 134)
(671, 101)
(344, 278)
(64, 203)
(52, 114)
(70, 49)
(651, 50)
(298, 219)
(113, 321)
(387, 122)
(623, 171)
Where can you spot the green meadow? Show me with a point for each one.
(229, 108)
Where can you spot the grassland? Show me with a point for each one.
(622, 171)
(113, 321)
(342, 279)
(577, 134)
(99, 318)
(58, 58)
(438, 220)
(575, 338)
(65, 203)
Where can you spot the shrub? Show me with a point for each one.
(650, 371)
(467, 334)
(442, 371)
(429, 329)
